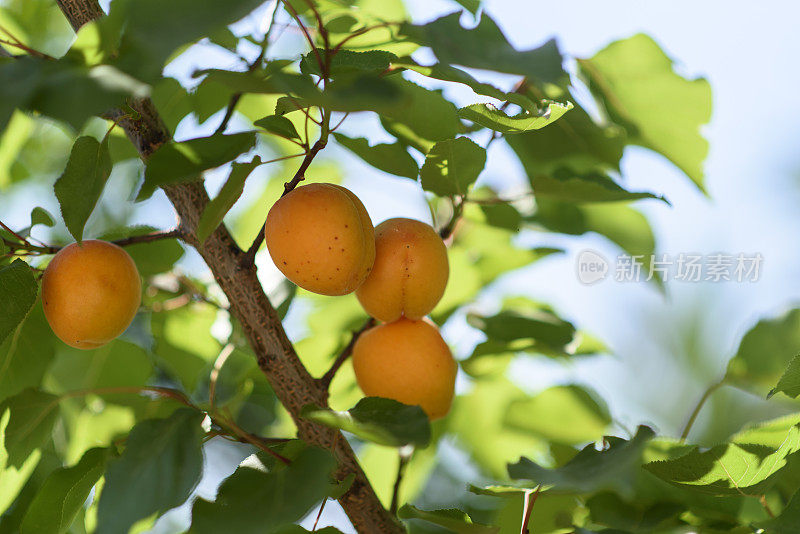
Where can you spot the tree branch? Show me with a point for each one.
(404, 457)
(124, 242)
(326, 379)
(277, 359)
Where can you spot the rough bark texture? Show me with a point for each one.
(292, 383)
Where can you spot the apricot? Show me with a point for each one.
(321, 238)
(90, 293)
(410, 271)
(407, 361)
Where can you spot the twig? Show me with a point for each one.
(325, 380)
(763, 500)
(404, 457)
(12, 232)
(227, 350)
(15, 42)
(251, 439)
(530, 500)
(692, 418)
(319, 514)
(322, 64)
(124, 242)
(450, 227)
(361, 32)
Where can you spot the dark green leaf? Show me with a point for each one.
(451, 519)
(613, 468)
(33, 415)
(63, 494)
(496, 119)
(26, 355)
(151, 258)
(151, 36)
(182, 162)
(423, 113)
(278, 125)
(286, 104)
(787, 522)
(765, 351)
(502, 215)
(348, 62)
(379, 420)
(41, 216)
(252, 501)
(452, 166)
(790, 381)
(568, 186)
(80, 186)
(471, 5)
(536, 323)
(216, 209)
(172, 102)
(660, 109)
(485, 47)
(393, 158)
(224, 38)
(18, 290)
(741, 467)
(158, 470)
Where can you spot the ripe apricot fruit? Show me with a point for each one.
(90, 293)
(407, 361)
(410, 271)
(321, 238)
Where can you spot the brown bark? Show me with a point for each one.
(290, 380)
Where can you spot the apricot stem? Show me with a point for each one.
(327, 378)
(404, 457)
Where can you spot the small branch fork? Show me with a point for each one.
(326, 379)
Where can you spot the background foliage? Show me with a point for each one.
(83, 431)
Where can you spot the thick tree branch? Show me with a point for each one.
(291, 381)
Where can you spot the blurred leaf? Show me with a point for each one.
(348, 62)
(502, 215)
(254, 501)
(382, 421)
(567, 186)
(393, 158)
(161, 465)
(452, 166)
(608, 509)
(13, 479)
(26, 355)
(225, 38)
(80, 186)
(567, 415)
(278, 125)
(539, 324)
(182, 162)
(612, 468)
(33, 415)
(216, 210)
(787, 521)
(451, 519)
(150, 36)
(485, 47)
(63, 494)
(765, 351)
(661, 110)
(790, 381)
(18, 290)
(741, 467)
(172, 102)
(496, 119)
(151, 258)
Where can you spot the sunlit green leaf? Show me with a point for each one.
(278, 125)
(496, 119)
(790, 381)
(26, 354)
(383, 421)
(33, 415)
(452, 166)
(348, 62)
(451, 519)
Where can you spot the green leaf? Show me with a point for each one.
(485, 47)
(451, 519)
(63, 494)
(158, 470)
(471, 5)
(12, 479)
(567, 186)
(26, 354)
(172, 102)
(765, 351)
(348, 62)
(382, 421)
(393, 158)
(33, 416)
(82, 182)
(741, 467)
(613, 468)
(182, 162)
(41, 216)
(790, 381)
(231, 191)
(278, 125)
(660, 109)
(253, 501)
(787, 521)
(150, 36)
(568, 415)
(423, 113)
(496, 119)
(18, 290)
(452, 166)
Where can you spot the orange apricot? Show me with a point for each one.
(90, 293)
(321, 238)
(407, 361)
(410, 271)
